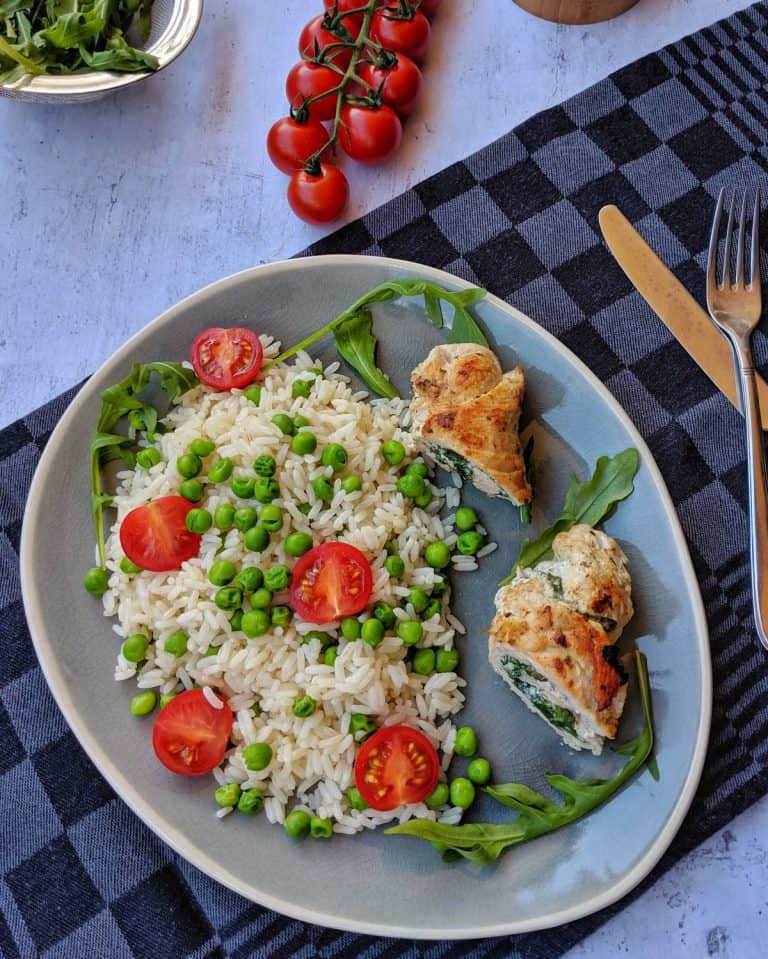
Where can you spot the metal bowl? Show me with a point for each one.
(174, 23)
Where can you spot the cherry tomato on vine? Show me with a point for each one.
(291, 144)
(369, 135)
(410, 37)
(315, 31)
(429, 7)
(352, 23)
(318, 197)
(402, 83)
(307, 80)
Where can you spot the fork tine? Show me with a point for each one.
(754, 262)
(741, 241)
(712, 256)
(728, 238)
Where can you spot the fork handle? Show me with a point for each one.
(757, 477)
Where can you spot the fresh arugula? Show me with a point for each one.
(353, 329)
(124, 400)
(483, 843)
(588, 503)
(59, 37)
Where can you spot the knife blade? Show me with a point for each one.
(675, 307)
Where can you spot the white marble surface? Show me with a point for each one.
(114, 210)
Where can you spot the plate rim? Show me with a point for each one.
(174, 836)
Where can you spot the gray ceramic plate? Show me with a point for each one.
(396, 886)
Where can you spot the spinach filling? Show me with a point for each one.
(453, 461)
(559, 716)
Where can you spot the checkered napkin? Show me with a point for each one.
(80, 876)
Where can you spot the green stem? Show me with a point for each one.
(98, 511)
(13, 54)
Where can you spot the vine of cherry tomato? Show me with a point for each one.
(356, 82)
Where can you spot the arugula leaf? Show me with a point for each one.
(588, 503)
(357, 345)
(483, 843)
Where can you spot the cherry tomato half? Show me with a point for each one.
(401, 84)
(290, 144)
(396, 766)
(410, 37)
(155, 536)
(369, 135)
(227, 359)
(330, 581)
(307, 80)
(191, 736)
(314, 34)
(318, 198)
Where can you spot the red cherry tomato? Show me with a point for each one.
(329, 582)
(369, 135)
(410, 37)
(352, 23)
(227, 359)
(315, 33)
(155, 536)
(307, 80)
(401, 84)
(191, 736)
(429, 7)
(290, 144)
(318, 198)
(396, 766)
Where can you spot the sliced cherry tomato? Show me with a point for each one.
(315, 35)
(290, 144)
(396, 766)
(318, 198)
(369, 135)
(307, 80)
(191, 736)
(352, 23)
(155, 536)
(410, 37)
(401, 83)
(331, 581)
(227, 359)
(429, 7)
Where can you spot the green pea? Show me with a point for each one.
(189, 465)
(166, 698)
(466, 741)
(424, 499)
(447, 660)
(329, 656)
(256, 539)
(227, 795)
(277, 578)
(323, 488)
(479, 771)
(350, 628)
(191, 489)
(298, 824)
(351, 484)
(249, 579)
(354, 798)
(410, 631)
(211, 651)
(299, 421)
(271, 518)
(176, 644)
(440, 588)
(224, 516)
(303, 706)
(301, 388)
(96, 581)
(423, 661)
(439, 796)
(304, 443)
(372, 632)
(437, 555)
(253, 393)
(385, 615)
(320, 828)
(236, 620)
(466, 518)
(418, 599)
(284, 423)
(411, 485)
(149, 457)
(420, 469)
(265, 465)
(469, 543)
(135, 647)
(281, 615)
(228, 597)
(395, 566)
(199, 521)
(143, 703)
(260, 599)
(266, 489)
(256, 622)
(389, 547)
(360, 723)
(256, 710)
(433, 609)
(325, 638)
(251, 801)
(222, 572)
(296, 544)
(221, 471)
(393, 452)
(334, 456)
(202, 448)
(305, 508)
(462, 793)
(128, 567)
(257, 756)
(243, 486)
(245, 518)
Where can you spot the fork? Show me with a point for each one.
(735, 306)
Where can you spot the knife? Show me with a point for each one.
(675, 307)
